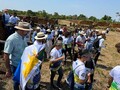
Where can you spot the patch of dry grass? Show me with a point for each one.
(109, 59)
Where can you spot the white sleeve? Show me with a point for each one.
(101, 42)
(112, 73)
(72, 38)
(53, 55)
(18, 18)
(82, 74)
(77, 39)
(64, 41)
(10, 19)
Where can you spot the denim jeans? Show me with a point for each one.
(15, 84)
(79, 87)
(32, 89)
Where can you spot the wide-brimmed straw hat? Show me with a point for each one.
(25, 26)
(37, 28)
(40, 36)
(97, 30)
(103, 32)
(48, 30)
(82, 33)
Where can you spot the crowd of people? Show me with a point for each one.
(83, 45)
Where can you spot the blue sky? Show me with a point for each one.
(97, 8)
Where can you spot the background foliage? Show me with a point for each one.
(56, 15)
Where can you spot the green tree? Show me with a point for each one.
(30, 13)
(74, 17)
(82, 17)
(56, 15)
(63, 17)
(106, 18)
(69, 17)
(93, 18)
(44, 14)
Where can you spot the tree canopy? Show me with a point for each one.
(56, 15)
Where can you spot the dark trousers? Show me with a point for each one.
(96, 57)
(32, 89)
(15, 84)
(80, 88)
(53, 73)
(65, 52)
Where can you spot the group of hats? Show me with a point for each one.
(25, 26)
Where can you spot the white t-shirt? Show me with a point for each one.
(55, 54)
(13, 20)
(80, 70)
(115, 73)
(65, 40)
(80, 39)
(101, 42)
(61, 29)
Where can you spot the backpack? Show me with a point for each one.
(96, 43)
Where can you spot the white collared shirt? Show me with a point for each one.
(115, 73)
(13, 20)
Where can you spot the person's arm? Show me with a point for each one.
(8, 49)
(110, 80)
(7, 64)
(88, 78)
(57, 59)
(82, 76)
(101, 43)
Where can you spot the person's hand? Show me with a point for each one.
(36, 55)
(8, 74)
(89, 80)
(108, 86)
(63, 57)
(89, 74)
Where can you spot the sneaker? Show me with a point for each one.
(55, 87)
(59, 86)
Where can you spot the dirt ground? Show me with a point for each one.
(108, 59)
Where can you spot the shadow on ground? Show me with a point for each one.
(2, 85)
(47, 86)
(104, 67)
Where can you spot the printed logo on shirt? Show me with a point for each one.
(83, 74)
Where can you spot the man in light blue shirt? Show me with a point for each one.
(14, 19)
(13, 49)
(15, 45)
